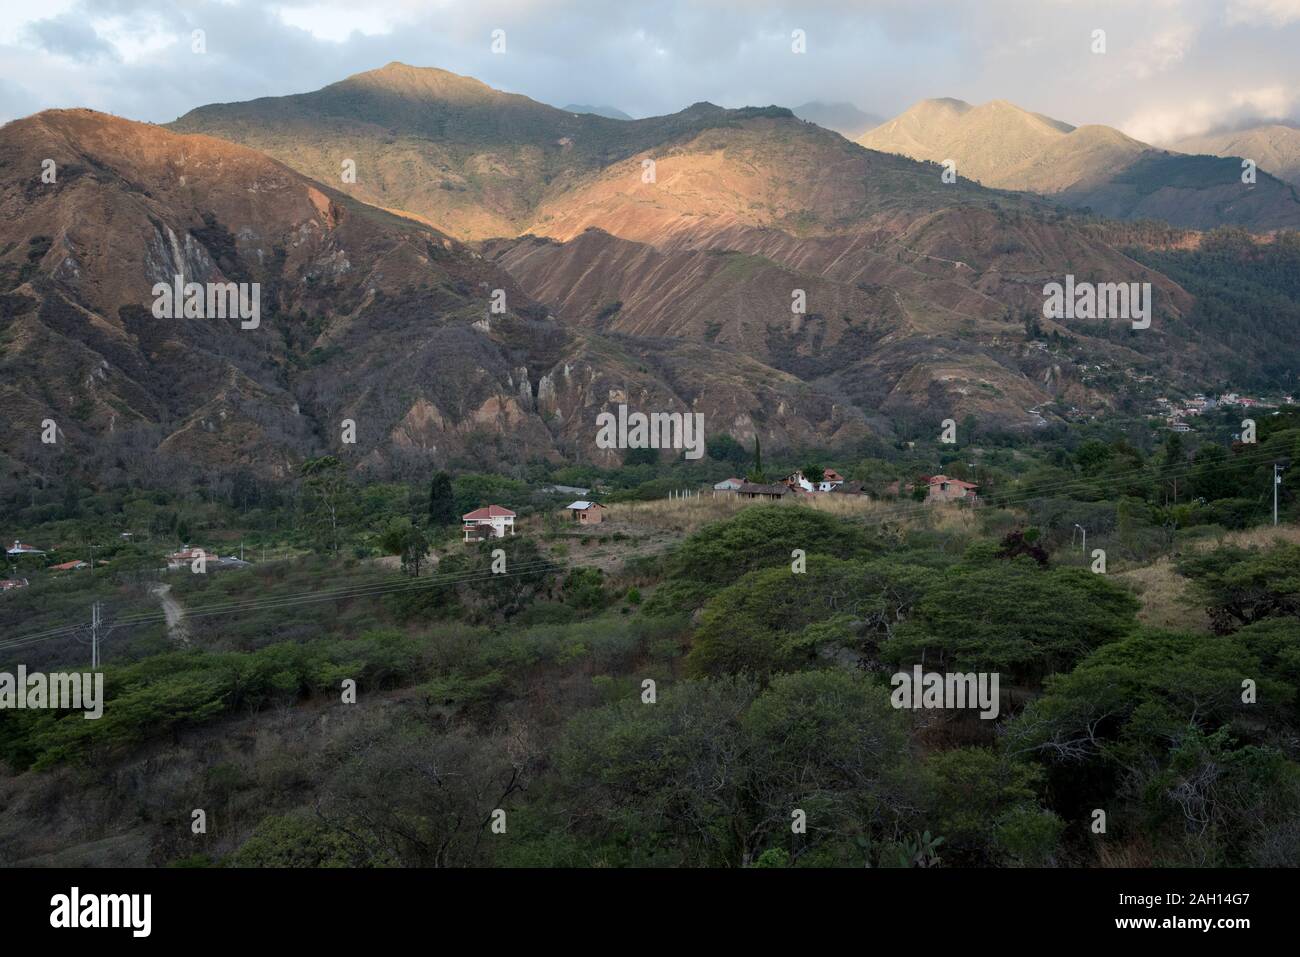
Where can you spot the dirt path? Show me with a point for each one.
(174, 613)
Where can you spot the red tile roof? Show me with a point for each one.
(939, 479)
(491, 511)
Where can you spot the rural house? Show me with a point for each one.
(587, 513)
(775, 492)
(941, 488)
(186, 556)
(830, 479)
(729, 485)
(71, 566)
(18, 549)
(491, 521)
(8, 583)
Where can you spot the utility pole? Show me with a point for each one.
(1277, 480)
(1085, 536)
(94, 635)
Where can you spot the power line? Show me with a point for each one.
(279, 601)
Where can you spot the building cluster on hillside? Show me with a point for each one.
(187, 555)
(1176, 412)
(794, 485)
(939, 488)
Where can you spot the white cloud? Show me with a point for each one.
(1262, 12)
(1168, 124)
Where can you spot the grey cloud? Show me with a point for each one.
(658, 57)
(71, 36)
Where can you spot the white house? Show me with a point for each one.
(830, 479)
(492, 521)
(729, 485)
(18, 549)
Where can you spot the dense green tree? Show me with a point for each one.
(442, 502)
(986, 806)
(711, 773)
(724, 448)
(775, 620)
(1244, 585)
(584, 589)
(327, 499)
(403, 537)
(1152, 725)
(1013, 617)
(760, 536)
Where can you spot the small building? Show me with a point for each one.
(71, 566)
(587, 513)
(491, 521)
(830, 478)
(941, 488)
(9, 583)
(729, 485)
(850, 488)
(774, 492)
(18, 550)
(187, 555)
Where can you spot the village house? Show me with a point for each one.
(830, 479)
(491, 521)
(850, 488)
(186, 556)
(775, 492)
(587, 513)
(18, 550)
(8, 583)
(71, 566)
(941, 488)
(729, 485)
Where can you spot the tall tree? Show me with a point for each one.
(325, 496)
(756, 473)
(442, 502)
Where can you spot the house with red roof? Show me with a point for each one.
(941, 488)
(18, 549)
(74, 565)
(491, 521)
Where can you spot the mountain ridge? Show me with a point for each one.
(1095, 167)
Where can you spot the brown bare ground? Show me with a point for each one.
(1166, 597)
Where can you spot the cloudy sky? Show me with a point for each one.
(1170, 67)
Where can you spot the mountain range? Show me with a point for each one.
(844, 118)
(1097, 168)
(1274, 147)
(470, 276)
